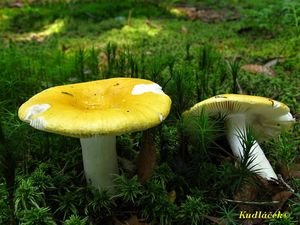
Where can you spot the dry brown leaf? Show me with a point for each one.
(282, 196)
(256, 69)
(216, 220)
(246, 193)
(295, 173)
(184, 30)
(273, 62)
(284, 171)
(207, 15)
(172, 196)
(64, 48)
(147, 157)
(190, 12)
(288, 173)
(152, 25)
(133, 220)
(37, 38)
(16, 5)
(117, 222)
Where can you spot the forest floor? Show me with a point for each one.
(194, 50)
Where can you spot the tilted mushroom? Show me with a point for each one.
(267, 117)
(96, 112)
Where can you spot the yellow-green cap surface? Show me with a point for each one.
(104, 107)
(265, 114)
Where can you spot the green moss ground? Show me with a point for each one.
(46, 43)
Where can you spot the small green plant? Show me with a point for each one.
(41, 180)
(157, 206)
(100, 203)
(129, 190)
(67, 203)
(229, 215)
(76, 220)
(208, 60)
(295, 206)
(284, 150)
(93, 62)
(156, 65)
(233, 70)
(28, 196)
(203, 130)
(292, 15)
(283, 221)
(266, 19)
(235, 177)
(181, 88)
(5, 211)
(79, 59)
(36, 216)
(192, 211)
(111, 54)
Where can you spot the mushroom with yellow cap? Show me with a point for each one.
(96, 112)
(267, 117)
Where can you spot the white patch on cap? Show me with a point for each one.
(36, 109)
(276, 104)
(286, 118)
(38, 123)
(143, 88)
(161, 117)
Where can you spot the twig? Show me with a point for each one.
(239, 87)
(285, 184)
(250, 202)
(223, 149)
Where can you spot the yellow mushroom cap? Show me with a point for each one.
(265, 115)
(104, 107)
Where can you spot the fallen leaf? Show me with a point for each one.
(288, 173)
(282, 196)
(117, 222)
(184, 29)
(273, 62)
(152, 25)
(244, 30)
(64, 48)
(258, 69)
(133, 220)
(246, 193)
(190, 12)
(295, 171)
(207, 15)
(37, 38)
(172, 196)
(16, 5)
(216, 220)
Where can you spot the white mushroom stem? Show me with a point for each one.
(100, 161)
(236, 126)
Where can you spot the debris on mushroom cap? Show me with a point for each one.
(267, 116)
(112, 106)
